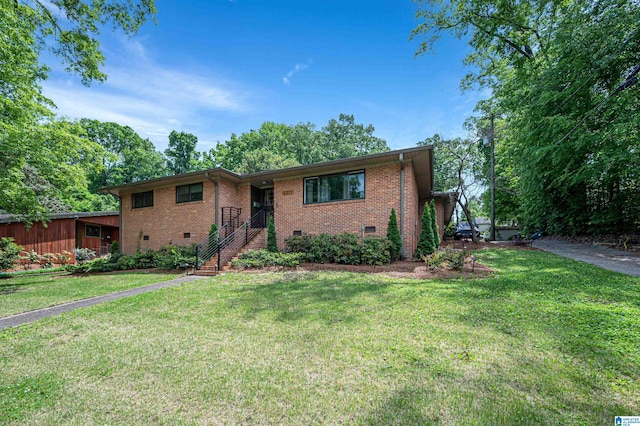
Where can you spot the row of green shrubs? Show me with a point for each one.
(347, 249)
(167, 257)
(263, 258)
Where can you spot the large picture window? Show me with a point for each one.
(186, 193)
(142, 199)
(344, 186)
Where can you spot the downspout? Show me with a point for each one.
(215, 183)
(402, 205)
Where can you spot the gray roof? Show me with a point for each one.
(10, 218)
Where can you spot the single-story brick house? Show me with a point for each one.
(348, 195)
(65, 232)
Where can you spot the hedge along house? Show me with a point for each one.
(65, 232)
(353, 195)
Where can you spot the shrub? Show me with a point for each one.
(393, 235)
(426, 244)
(29, 259)
(64, 258)
(84, 254)
(449, 230)
(376, 251)
(272, 242)
(9, 253)
(343, 248)
(176, 257)
(264, 258)
(146, 259)
(434, 225)
(46, 260)
(449, 257)
(115, 247)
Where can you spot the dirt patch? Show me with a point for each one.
(482, 245)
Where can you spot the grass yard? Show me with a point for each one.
(544, 341)
(28, 292)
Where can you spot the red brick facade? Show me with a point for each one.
(167, 220)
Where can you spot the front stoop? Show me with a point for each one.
(210, 268)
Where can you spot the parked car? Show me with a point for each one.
(463, 231)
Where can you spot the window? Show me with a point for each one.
(345, 186)
(142, 199)
(186, 193)
(92, 231)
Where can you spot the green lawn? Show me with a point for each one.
(544, 341)
(28, 292)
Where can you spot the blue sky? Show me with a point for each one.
(213, 68)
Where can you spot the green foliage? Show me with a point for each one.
(167, 257)
(272, 242)
(214, 239)
(446, 257)
(84, 254)
(434, 225)
(449, 231)
(9, 253)
(426, 242)
(393, 235)
(344, 248)
(44, 163)
(567, 135)
(375, 251)
(264, 258)
(115, 247)
(275, 146)
(181, 155)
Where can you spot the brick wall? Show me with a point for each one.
(382, 193)
(167, 220)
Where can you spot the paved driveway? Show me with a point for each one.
(604, 257)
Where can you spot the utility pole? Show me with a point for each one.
(492, 230)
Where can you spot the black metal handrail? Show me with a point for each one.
(229, 246)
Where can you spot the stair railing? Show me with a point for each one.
(230, 245)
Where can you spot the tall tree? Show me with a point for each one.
(275, 146)
(128, 159)
(182, 156)
(31, 142)
(563, 77)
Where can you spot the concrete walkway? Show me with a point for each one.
(31, 316)
(604, 257)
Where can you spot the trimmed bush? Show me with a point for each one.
(9, 253)
(448, 257)
(426, 244)
(375, 251)
(347, 249)
(272, 242)
(434, 225)
(393, 235)
(115, 248)
(264, 258)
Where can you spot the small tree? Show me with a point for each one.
(214, 238)
(115, 247)
(393, 235)
(434, 225)
(426, 244)
(272, 244)
(9, 253)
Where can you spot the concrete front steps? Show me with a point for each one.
(210, 268)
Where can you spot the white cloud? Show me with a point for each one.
(150, 98)
(298, 68)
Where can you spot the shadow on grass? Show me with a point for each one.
(313, 296)
(588, 313)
